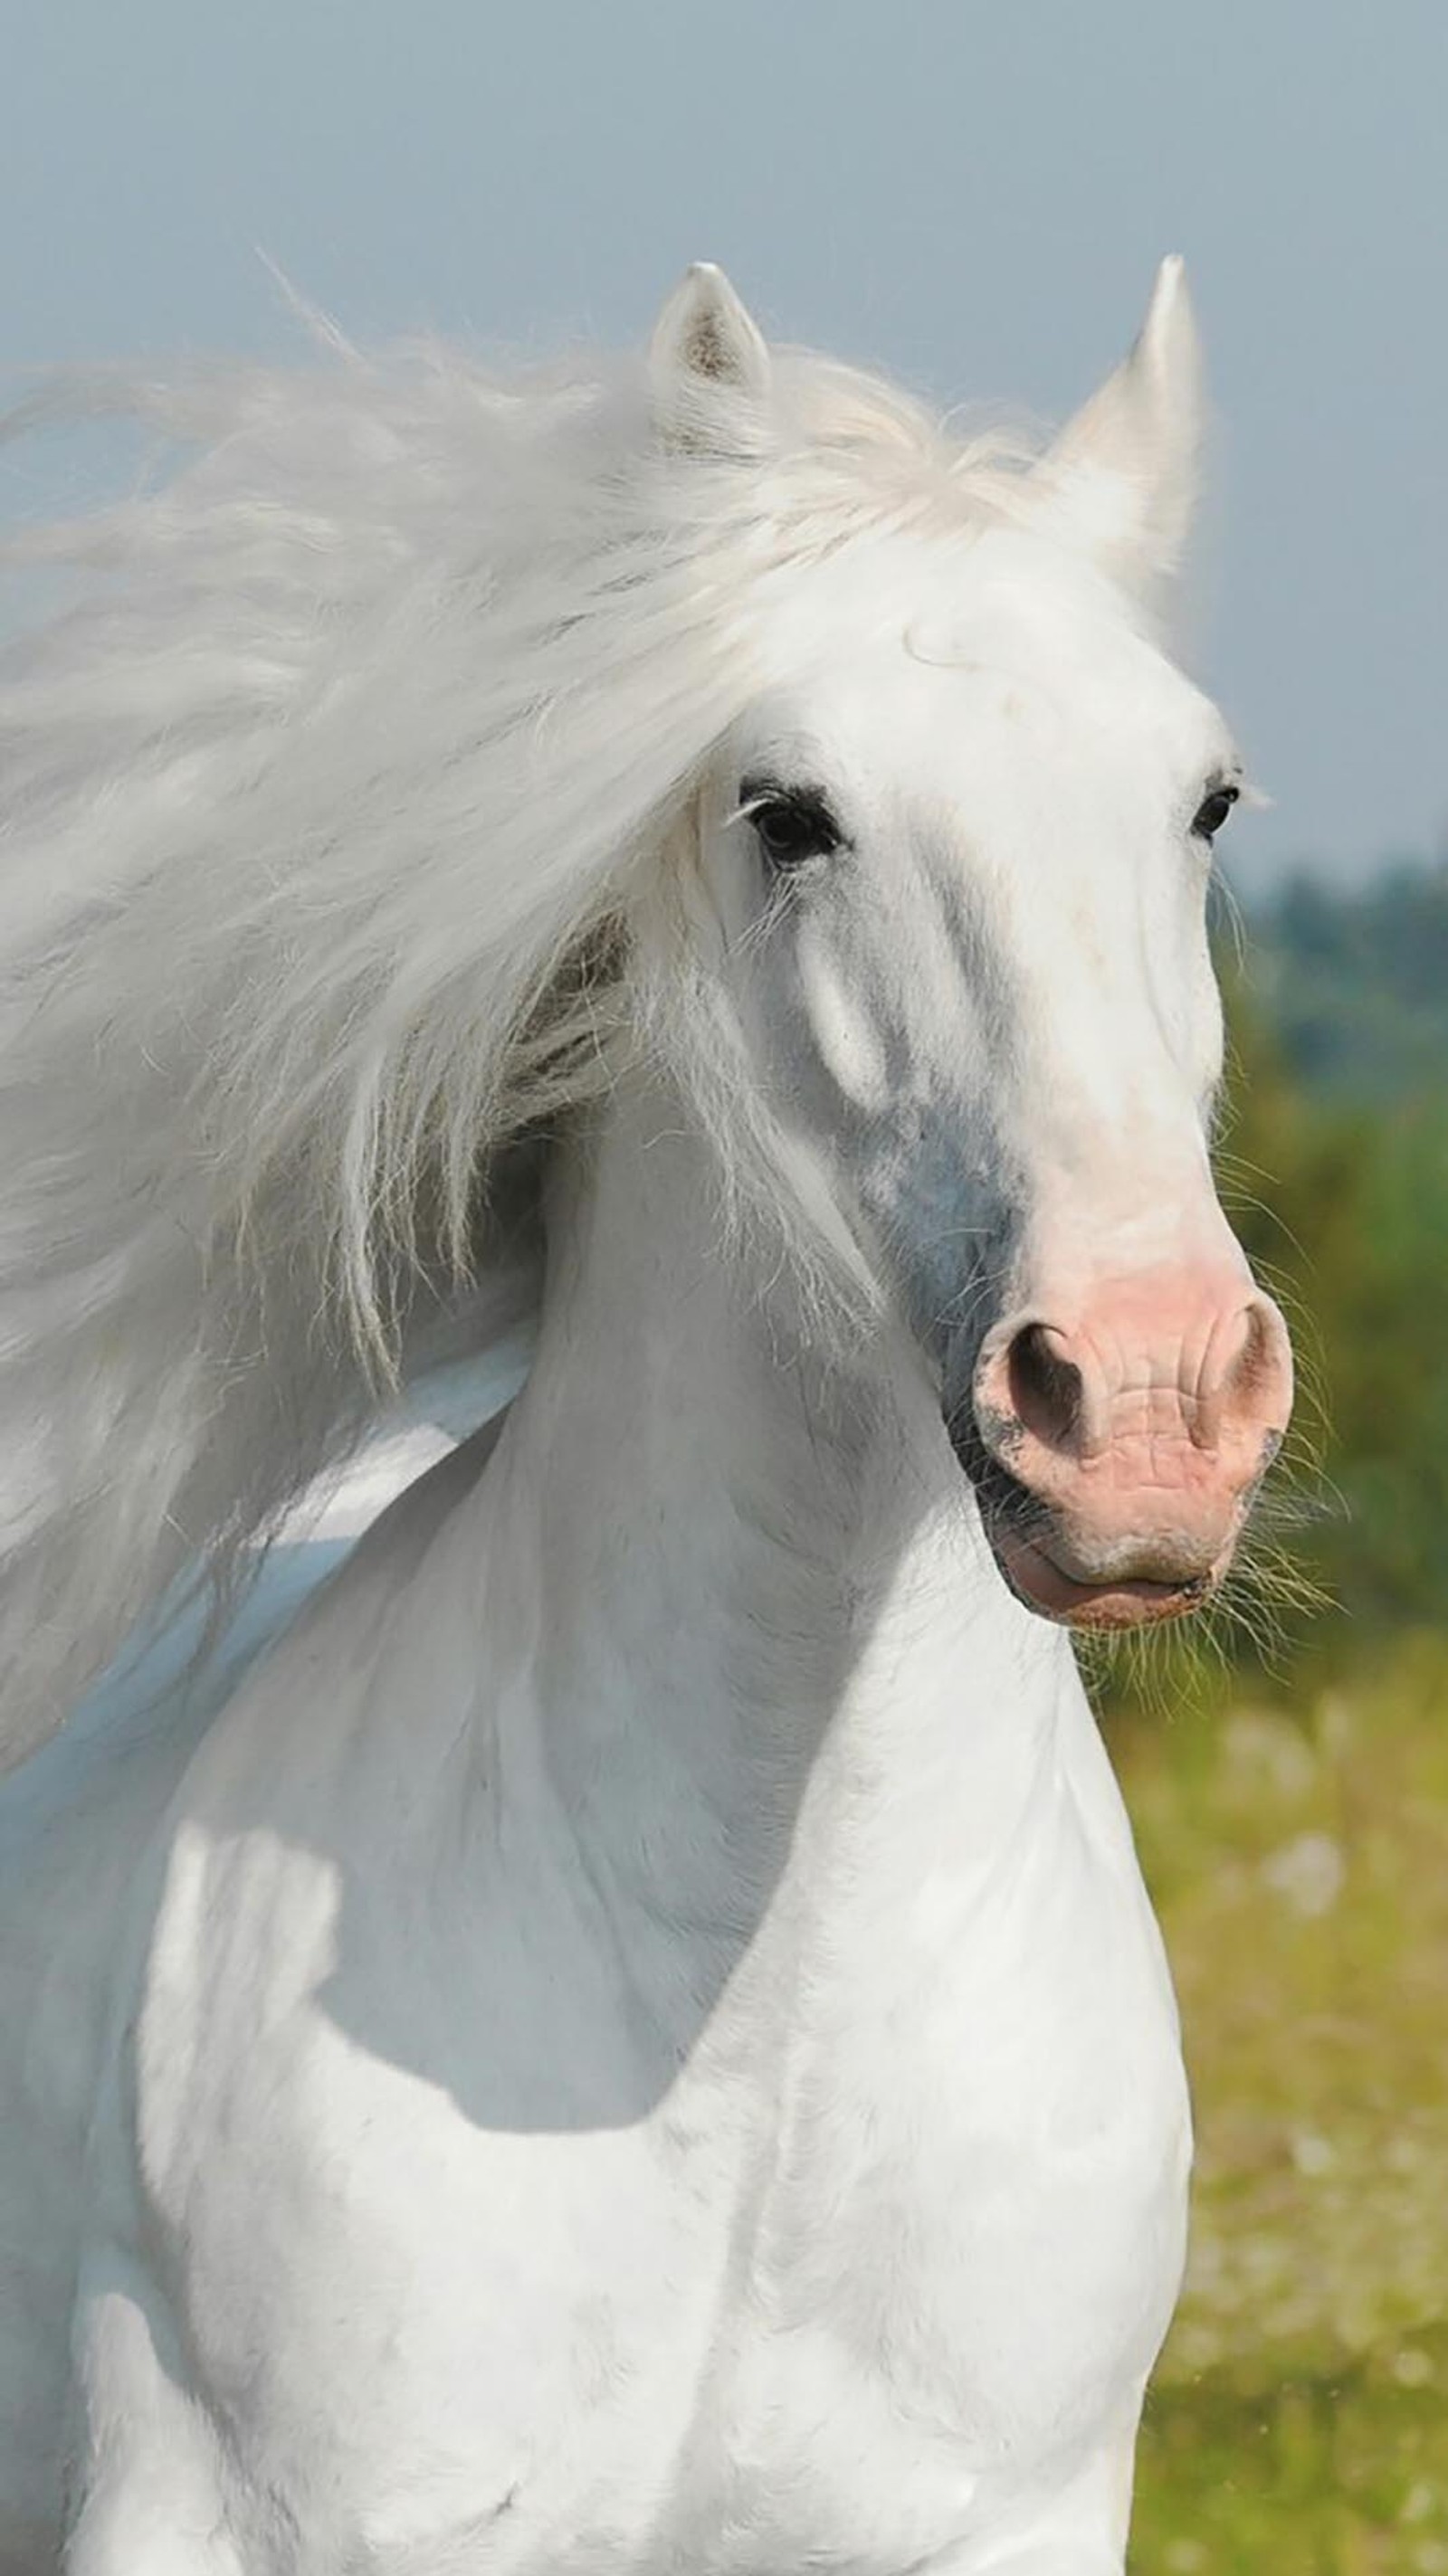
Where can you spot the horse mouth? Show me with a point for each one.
(1115, 1602)
(1020, 1533)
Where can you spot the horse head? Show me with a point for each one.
(959, 845)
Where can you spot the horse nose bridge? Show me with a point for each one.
(1108, 1067)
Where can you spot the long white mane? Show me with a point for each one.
(342, 850)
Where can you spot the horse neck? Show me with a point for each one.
(758, 1585)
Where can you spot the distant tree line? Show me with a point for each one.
(1356, 983)
(1333, 1158)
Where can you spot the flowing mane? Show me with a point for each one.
(334, 805)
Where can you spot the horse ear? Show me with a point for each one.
(708, 365)
(1124, 474)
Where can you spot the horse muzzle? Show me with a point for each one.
(1117, 1436)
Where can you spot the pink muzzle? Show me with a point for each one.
(1134, 1421)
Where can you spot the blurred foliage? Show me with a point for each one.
(1357, 983)
(1341, 1200)
(1289, 1791)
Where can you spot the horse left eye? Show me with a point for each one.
(1212, 812)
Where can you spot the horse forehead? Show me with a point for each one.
(922, 687)
(955, 716)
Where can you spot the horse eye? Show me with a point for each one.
(791, 824)
(1212, 812)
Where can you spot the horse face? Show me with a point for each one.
(961, 849)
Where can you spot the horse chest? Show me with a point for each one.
(877, 2250)
(972, 2229)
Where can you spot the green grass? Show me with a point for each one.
(1298, 1855)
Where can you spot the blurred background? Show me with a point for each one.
(974, 198)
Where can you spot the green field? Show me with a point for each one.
(1297, 1848)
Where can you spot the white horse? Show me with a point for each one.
(631, 2038)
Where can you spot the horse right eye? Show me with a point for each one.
(791, 824)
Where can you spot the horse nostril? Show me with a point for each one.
(1045, 1389)
(1250, 1371)
(1246, 1383)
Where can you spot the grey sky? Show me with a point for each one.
(970, 195)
